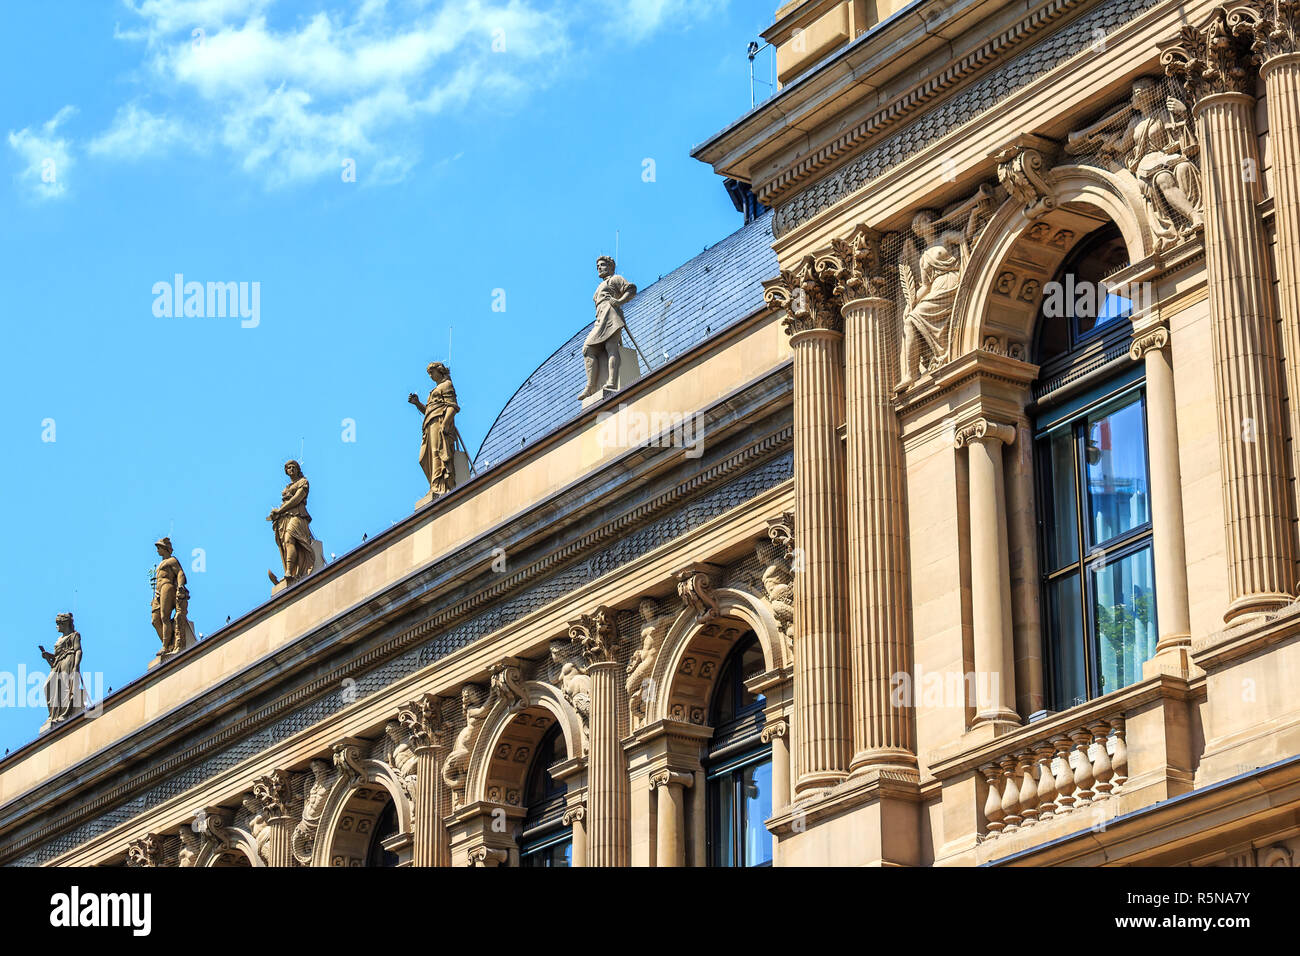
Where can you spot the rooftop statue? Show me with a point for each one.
(171, 601)
(439, 436)
(292, 526)
(63, 688)
(601, 350)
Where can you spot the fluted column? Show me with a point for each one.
(670, 838)
(609, 834)
(274, 796)
(822, 719)
(1151, 345)
(1247, 367)
(878, 604)
(995, 674)
(422, 719)
(575, 817)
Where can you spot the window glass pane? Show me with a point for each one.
(1116, 450)
(1063, 522)
(1124, 618)
(756, 792)
(723, 849)
(1069, 679)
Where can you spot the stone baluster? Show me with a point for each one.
(1064, 775)
(822, 721)
(1010, 795)
(1028, 789)
(1118, 759)
(423, 721)
(993, 803)
(1046, 795)
(1214, 65)
(1102, 771)
(1082, 768)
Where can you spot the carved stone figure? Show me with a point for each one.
(573, 682)
(171, 601)
(257, 827)
(304, 834)
(776, 552)
(292, 526)
(401, 755)
(190, 844)
(640, 688)
(930, 279)
(64, 696)
(475, 701)
(1157, 145)
(439, 435)
(601, 349)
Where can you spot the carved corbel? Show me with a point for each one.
(983, 429)
(596, 635)
(347, 759)
(507, 683)
(695, 584)
(145, 851)
(807, 296)
(1022, 165)
(1210, 59)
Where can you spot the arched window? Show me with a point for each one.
(738, 767)
(545, 840)
(1098, 590)
(385, 829)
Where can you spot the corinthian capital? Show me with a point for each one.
(807, 294)
(422, 719)
(273, 793)
(983, 429)
(1270, 26)
(855, 266)
(1210, 59)
(596, 635)
(146, 851)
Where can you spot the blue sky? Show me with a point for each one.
(498, 144)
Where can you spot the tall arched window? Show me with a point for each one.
(1094, 498)
(385, 829)
(738, 767)
(545, 840)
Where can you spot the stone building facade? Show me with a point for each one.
(957, 526)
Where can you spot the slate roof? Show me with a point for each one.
(716, 289)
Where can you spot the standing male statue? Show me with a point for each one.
(171, 601)
(292, 526)
(601, 350)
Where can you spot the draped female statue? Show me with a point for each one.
(438, 439)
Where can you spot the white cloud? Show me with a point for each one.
(47, 156)
(293, 96)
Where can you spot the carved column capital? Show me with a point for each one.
(1156, 338)
(273, 795)
(1270, 26)
(423, 721)
(575, 814)
(773, 729)
(855, 266)
(1211, 59)
(145, 851)
(1022, 164)
(484, 856)
(780, 531)
(596, 635)
(807, 295)
(670, 778)
(983, 429)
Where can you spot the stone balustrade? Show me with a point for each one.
(1055, 776)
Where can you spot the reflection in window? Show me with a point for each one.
(545, 840)
(739, 766)
(1099, 585)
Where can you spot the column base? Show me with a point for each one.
(893, 761)
(1001, 720)
(1250, 605)
(819, 781)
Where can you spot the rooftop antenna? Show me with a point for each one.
(752, 52)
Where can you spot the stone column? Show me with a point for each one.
(609, 834)
(1273, 25)
(879, 629)
(774, 732)
(822, 722)
(575, 817)
(670, 839)
(274, 796)
(1151, 344)
(990, 571)
(422, 719)
(1247, 358)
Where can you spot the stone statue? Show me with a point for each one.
(929, 281)
(573, 682)
(641, 665)
(401, 755)
(258, 828)
(190, 845)
(438, 439)
(1156, 145)
(601, 350)
(304, 834)
(63, 688)
(292, 526)
(171, 601)
(475, 702)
